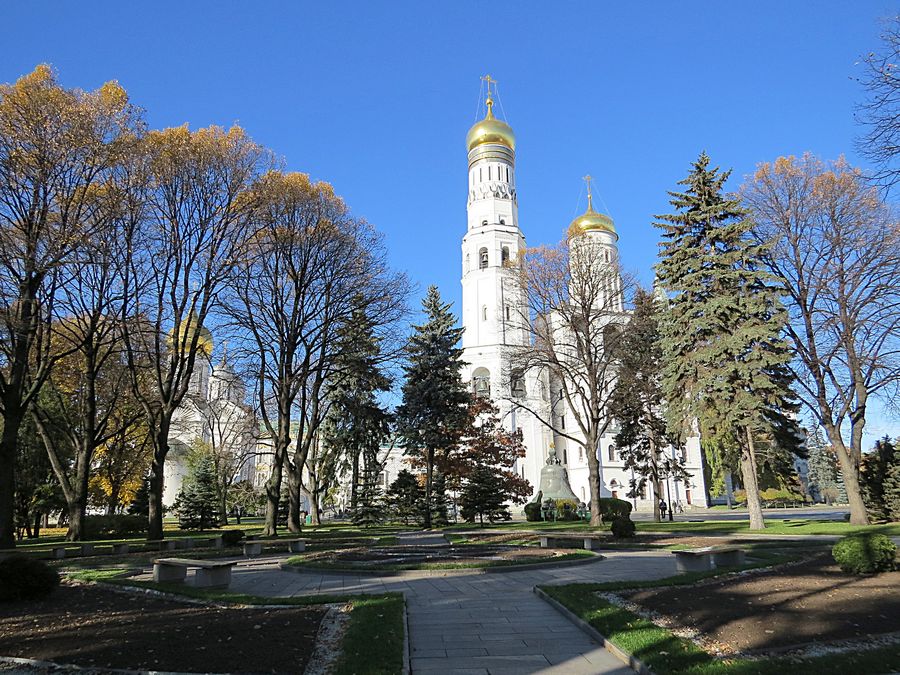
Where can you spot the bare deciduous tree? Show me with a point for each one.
(191, 234)
(880, 111)
(308, 266)
(574, 295)
(836, 251)
(57, 149)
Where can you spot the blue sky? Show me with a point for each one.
(376, 98)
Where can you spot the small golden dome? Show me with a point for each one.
(204, 341)
(490, 130)
(590, 220)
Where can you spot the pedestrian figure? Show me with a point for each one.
(662, 507)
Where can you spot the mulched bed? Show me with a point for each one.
(812, 601)
(466, 554)
(94, 627)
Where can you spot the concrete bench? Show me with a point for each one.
(589, 543)
(121, 548)
(255, 546)
(162, 544)
(58, 551)
(209, 574)
(710, 557)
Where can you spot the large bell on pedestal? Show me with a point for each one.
(554, 481)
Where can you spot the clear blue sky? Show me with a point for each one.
(376, 98)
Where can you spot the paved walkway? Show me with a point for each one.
(478, 624)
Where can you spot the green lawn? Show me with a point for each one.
(373, 642)
(303, 561)
(664, 653)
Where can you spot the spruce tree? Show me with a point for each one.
(432, 415)
(404, 497)
(197, 503)
(440, 504)
(878, 476)
(482, 497)
(637, 403)
(824, 476)
(370, 507)
(726, 362)
(356, 423)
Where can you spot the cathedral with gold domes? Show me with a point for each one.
(494, 310)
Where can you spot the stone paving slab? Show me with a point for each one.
(487, 624)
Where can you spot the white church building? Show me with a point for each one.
(492, 304)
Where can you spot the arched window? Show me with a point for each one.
(468, 262)
(481, 382)
(612, 453)
(482, 258)
(484, 313)
(484, 223)
(504, 252)
(502, 221)
(507, 312)
(517, 384)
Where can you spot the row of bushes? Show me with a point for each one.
(865, 553)
(567, 509)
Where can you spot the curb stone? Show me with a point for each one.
(406, 648)
(627, 658)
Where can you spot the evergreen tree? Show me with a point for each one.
(637, 403)
(140, 506)
(878, 476)
(440, 504)
(197, 503)
(726, 363)
(482, 497)
(404, 497)
(433, 413)
(356, 423)
(825, 482)
(369, 511)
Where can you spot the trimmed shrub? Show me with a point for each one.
(23, 578)
(623, 528)
(865, 553)
(612, 508)
(120, 525)
(566, 509)
(533, 512)
(232, 537)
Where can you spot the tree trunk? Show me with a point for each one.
(223, 504)
(850, 472)
(294, 486)
(156, 482)
(657, 493)
(590, 451)
(315, 514)
(8, 445)
(751, 483)
(36, 532)
(429, 474)
(354, 482)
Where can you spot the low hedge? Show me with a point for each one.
(120, 525)
(623, 528)
(612, 508)
(24, 578)
(865, 553)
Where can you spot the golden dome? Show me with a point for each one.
(590, 220)
(490, 130)
(204, 341)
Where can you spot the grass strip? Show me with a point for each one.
(664, 653)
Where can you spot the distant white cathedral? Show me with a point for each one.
(492, 307)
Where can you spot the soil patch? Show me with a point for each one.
(424, 557)
(95, 627)
(809, 602)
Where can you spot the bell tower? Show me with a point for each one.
(491, 304)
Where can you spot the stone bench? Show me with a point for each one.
(162, 544)
(121, 548)
(209, 574)
(588, 541)
(710, 557)
(255, 546)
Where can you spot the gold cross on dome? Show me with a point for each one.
(587, 179)
(490, 80)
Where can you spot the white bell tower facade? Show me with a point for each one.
(494, 313)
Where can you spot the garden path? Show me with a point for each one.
(477, 624)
